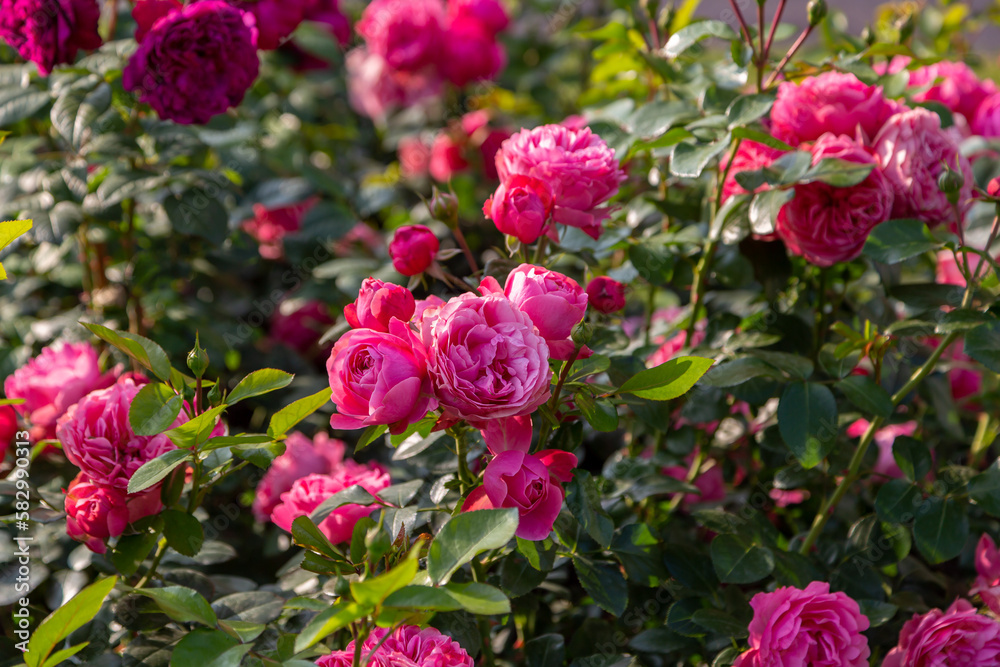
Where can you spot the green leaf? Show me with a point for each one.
(690, 160)
(584, 500)
(182, 604)
(196, 431)
(604, 582)
(59, 657)
(721, 623)
(196, 213)
(327, 622)
(691, 567)
(983, 345)
(352, 495)
(147, 353)
(76, 110)
(242, 630)
(258, 383)
(153, 471)
(913, 457)
(668, 380)
(688, 36)
(131, 550)
(897, 501)
(764, 209)
(838, 173)
(867, 394)
(370, 435)
(940, 530)
(306, 534)
(475, 598)
(545, 651)
(154, 409)
(739, 561)
(747, 109)
(961, 319)
(984, 488)
(241, 440)
(183, 532)
(18, 103)
(599, 413)
(759, 137)
(372, 592)
(9, 231)
(466, 535)
(259, 607)
(641, 554)
(209, 648)
(58, 625)
(807, 420)
(290, 415)
(896, 240)
(737, 371)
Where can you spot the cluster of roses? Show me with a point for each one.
(404, 646)
(66, 397)
(477, 359)
(413, 46)
(917, 169)
(813, 626)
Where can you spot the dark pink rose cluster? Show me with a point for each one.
(276, 20)
(553, 174)
(50, 32)
(194, 61)
(416, 45)
(405, 646)
(270, 225)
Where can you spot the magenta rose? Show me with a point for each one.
(952, 84)
(379, 378)
(520, 207)
(470, 53)
(488, 13)
(53, 381)
(321, 455)
(275, 20)
(309, 492)
(831, 103)
(195, 61)
(50, 32)
(987, 585)
(485, 358)
(95, 512)
(378, 303)
(375, 89)
(913, 149)
(554, 302)
(815, 627)
(407, 33)
(269, 226)
(413, 249)
(710, 482)
(958, 636)
(577, 165)
(671, 346)
(301, 325)
(407, 645)
(827, 224)
(606, 295)
(8, 429)
(884, 439)
(447, 158)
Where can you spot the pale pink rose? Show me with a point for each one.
(321, 455)
(884, 439)
(831, 103)
(414, 157)
(488, 13)
(751, 156)
(270, 226)
(309, 492)
(375, 89)
(709, 482)
(447, 158)
(958, 636)
(554, 302)
(50, 383)
(424, 306)
(987, 585)
(578, 166)
(300, 325)
(952, 84)
(521, 207)
(377, 304)
(792, 627)
(98, 439)
(470, 53)
(532, 483)
(485, 358)
(606, 295)
(413, 249)
(408, 34)
(913, 149)
(408, 646)
(95, 512)
(827, 224)
(379, 378)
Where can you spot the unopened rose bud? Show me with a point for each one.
(816, 11)
(444, 207)
(413, 249)
(197, 359)
(215, 395)
(582, 333)
(605, 295)
(950, 182)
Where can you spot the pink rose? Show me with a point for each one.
(428, 305)
(554, 302)
(793, 627)
(987, 584)
(413, 249)
(913, 150)
(831, 103)
(300, 325)
(53, 381)
(709, 482)
(309, 492)
(447, 158)
(485, 358)
(986, 122)
(884, 438)
(321, 455)
(98, 439)
(606, 295)
(827, 224)
(671, 347)
(269, 226)
(788, 497)
(488, 13)
(375, 89)
(952, 84)
(520, 207)
(50, 32)
(95, 512)
(470, 53)
(378, 303)
(958, 636)
(414, 157)
(532, 483)
(407, 645)
(578, 166)
(407, 33)
(8, 429)
(379, 378)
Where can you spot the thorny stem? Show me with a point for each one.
(554, 401)
(788, 56)
(692, 475)
(543, 241)
(464, 245)
(161, 549)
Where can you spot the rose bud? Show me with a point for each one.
(377, 303)
(413, 249)
(606, 295)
